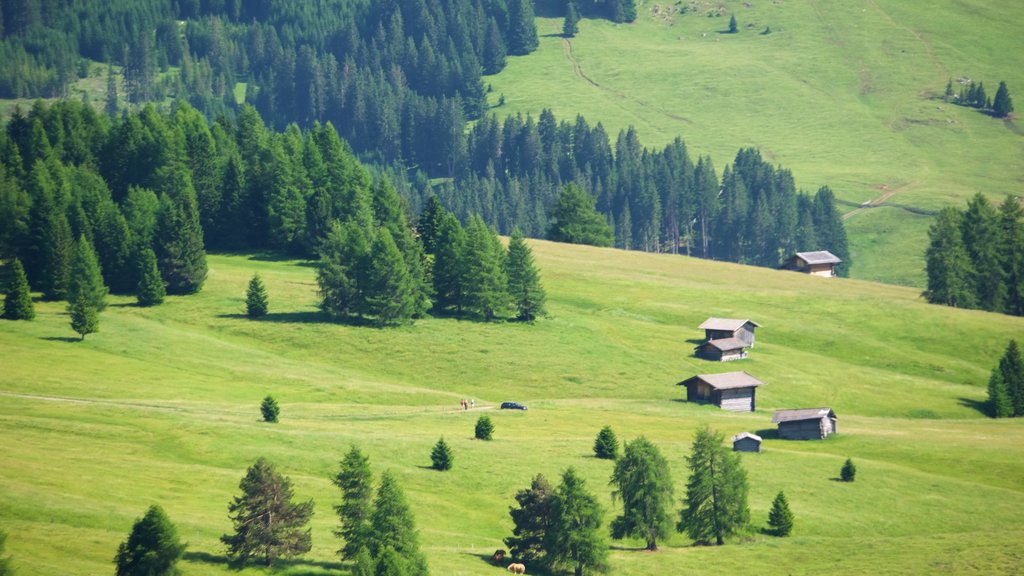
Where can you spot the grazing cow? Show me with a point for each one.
(517, 568)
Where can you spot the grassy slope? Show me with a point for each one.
(842, 93)
(162, 406)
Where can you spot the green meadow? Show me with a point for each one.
(162, 406)
(846, 94)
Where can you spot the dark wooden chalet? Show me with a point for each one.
(805, 423)
(746, 442)
(820, 263)
(718, 328)
(734, 391)
(722, 350)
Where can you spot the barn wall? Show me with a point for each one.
(746, 334)
(801, 430)
(746, 445)
(738, 399)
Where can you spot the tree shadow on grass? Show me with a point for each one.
(292, 565)
(696, 341)
(270, 257)
(768, 433)
(309, 317)
(534, 569)
(61, 338)
(980, 405)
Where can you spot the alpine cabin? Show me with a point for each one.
(722, 350)
(820, 263)
(805, 423)
(718, 328)
(733, 391)
(746, 442)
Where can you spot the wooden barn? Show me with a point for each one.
(722, 350)
(805, 423)
(733, 391)
(746, 442)
(718, 328)
(820, 263)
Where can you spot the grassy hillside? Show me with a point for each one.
(162, 406)
(843, 93)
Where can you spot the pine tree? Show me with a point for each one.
(999, 402)
(179, 240)
(270, 409)
(780, 518)
(577, 221)
(391, 293)
(151, 289)
(341, 276)
(110, 107)
(606, 445)
(949, 269)
(522, 32)
(573, 537)
(58, 249)
(949, 90)
(1003, 104)
(268, 525)
(430, 223)
(356, 483)
(848, 472)
(644, 484)
(256, 298)
(18, 300)
(1011, 221)
(716, 492)
(982, 236)
(86, 280)
(486, 283)
(571, 25)
(152, 548)
(441, 456)
(84, 317)
(363, 564)
(450, 267)
(733, 27)
(1011, 366)
(392, 526)
(484, 429)
(531, 520)
(523, 280)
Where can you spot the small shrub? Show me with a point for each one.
(441, 456)
(780, 518)
(606, 445)
(270, 409)
(849, 471)
(256, 303)
(484, 428)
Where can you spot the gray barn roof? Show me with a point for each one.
(802, 414)
(725, 380)
(819, 257)
(730, 324)
(743, 435)
(726, 344)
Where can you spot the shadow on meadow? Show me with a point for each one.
(289, 566)
(503, 565)
(308, 317)
(981, 406)
(61, 338)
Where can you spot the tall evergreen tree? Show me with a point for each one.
(18, 299)
(341, 276)
(1003, 104)
(486, 286)
(391, 293)
(949, 269)
(716, 492)
(151, 289)
(267, 524)
(57, 253)
(571, 25)
(256, 302)
(429, 224)
(733, 27)
(84, 317)
(999, 402)
(780, 518)
(1011, 221)
(527, 294)
(86, 280)
(577, 221)
(828, 225)
(573, 536)
(522, 32)
(179, 240)
(152, 547)
(450, 269)
(1011, 367)
(393, 526)
(983, 241)
(531, 520)
(644, 484)
(356, 483)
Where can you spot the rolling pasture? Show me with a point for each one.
(162, 406)
(846, 94)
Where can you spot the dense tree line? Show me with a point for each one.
(975, 257)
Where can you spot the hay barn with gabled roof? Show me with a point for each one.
(806, 423)
(819, 263)
(718, 328)
(733, 391)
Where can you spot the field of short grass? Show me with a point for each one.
(162, 406)
(843, 93)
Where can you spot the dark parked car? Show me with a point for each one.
(512, 406)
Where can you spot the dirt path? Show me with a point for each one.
(887, 193)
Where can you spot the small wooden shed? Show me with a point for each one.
(746, 442)
(718, 328)
(722, 350)
(805, 423)
(733, 391)
(820, 263)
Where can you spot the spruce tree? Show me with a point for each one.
(716, 492)
(430, 223)
(848, 472)
(179, 240)
(573, 537)
(571, 25)
(982, 236)
(1011, 221)
(267, 524)
(522, 32)
(58, 251)
(523, 280)
(441, 456)
(84, 317)
(391, 293)
(486, 283)
(1011, 366)
(363, 564)
(577, 221)
(270, 409)
(151, 289)
(733, 26)
(949, 90)
(531, 520)
(393, 526)
(341, 276)
(643, 483)
(999, 401)
(152, 547)
(256, 298)
(18, 299)
(1003, 104)
(606, 445)
(484, 428)
(356, 483)
(780, 518)
(949, 269)
(86, 280)
(450, 268)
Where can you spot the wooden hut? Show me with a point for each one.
(722, 350)
(820, 263)
(718, 328)
(805, 423)
(733, 391)
(746, 442)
